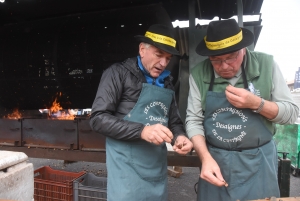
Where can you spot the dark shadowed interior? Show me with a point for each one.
(58, 49)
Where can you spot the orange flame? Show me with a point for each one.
(60, 113)
(15, 114)
(55, 107)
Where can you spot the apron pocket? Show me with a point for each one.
(238, 167)
(245, 165)
(149, 161)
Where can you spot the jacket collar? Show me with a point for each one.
(131, 64)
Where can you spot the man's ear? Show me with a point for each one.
(142, 50)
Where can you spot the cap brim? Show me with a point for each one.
(166, 48)
(247, 40)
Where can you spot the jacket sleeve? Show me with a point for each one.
(194, 112)
(102, 118)
(287, 108)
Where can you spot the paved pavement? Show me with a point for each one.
(179, 189)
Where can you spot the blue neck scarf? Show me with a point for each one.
(159, 81)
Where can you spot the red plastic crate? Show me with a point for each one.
(54, 185)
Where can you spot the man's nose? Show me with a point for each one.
(224, 65)
(164, 61)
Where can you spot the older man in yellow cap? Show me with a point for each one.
(136, 109)
(236, 97)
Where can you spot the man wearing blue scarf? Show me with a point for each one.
(135, 109)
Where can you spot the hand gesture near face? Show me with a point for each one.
(241, 98)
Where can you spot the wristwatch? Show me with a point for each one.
(258, 110)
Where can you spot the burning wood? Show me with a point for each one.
(14, 115)
(57, 112)
(63, 115)
(55, 106)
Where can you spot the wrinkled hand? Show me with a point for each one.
(182, 145)
(241, 98)
(210, 172)
(157, 134)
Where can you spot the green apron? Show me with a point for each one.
(137, 170)
(243, 148)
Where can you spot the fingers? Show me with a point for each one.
(157, 134)
(231, 96)
(230, 89)
(156, 139)
(212, 178)
(239, 97)
(166, 134)
(182, 145)
(219, 176)
(232, 92)
(184, 150)
(211, 172)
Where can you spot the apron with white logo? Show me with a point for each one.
(137, 170)
(243, 148)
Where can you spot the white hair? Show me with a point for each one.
(147, 45)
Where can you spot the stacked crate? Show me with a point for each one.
(89, 187)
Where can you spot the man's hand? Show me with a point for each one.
(210, 172)
(182, 145)
(242, 98)
(157, 134)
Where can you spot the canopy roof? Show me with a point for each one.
(15, 11)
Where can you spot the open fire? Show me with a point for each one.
(54, 112)
(57, 112)
(15, 114)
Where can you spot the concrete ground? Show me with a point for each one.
(179, 189)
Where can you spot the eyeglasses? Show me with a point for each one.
(227, 61)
